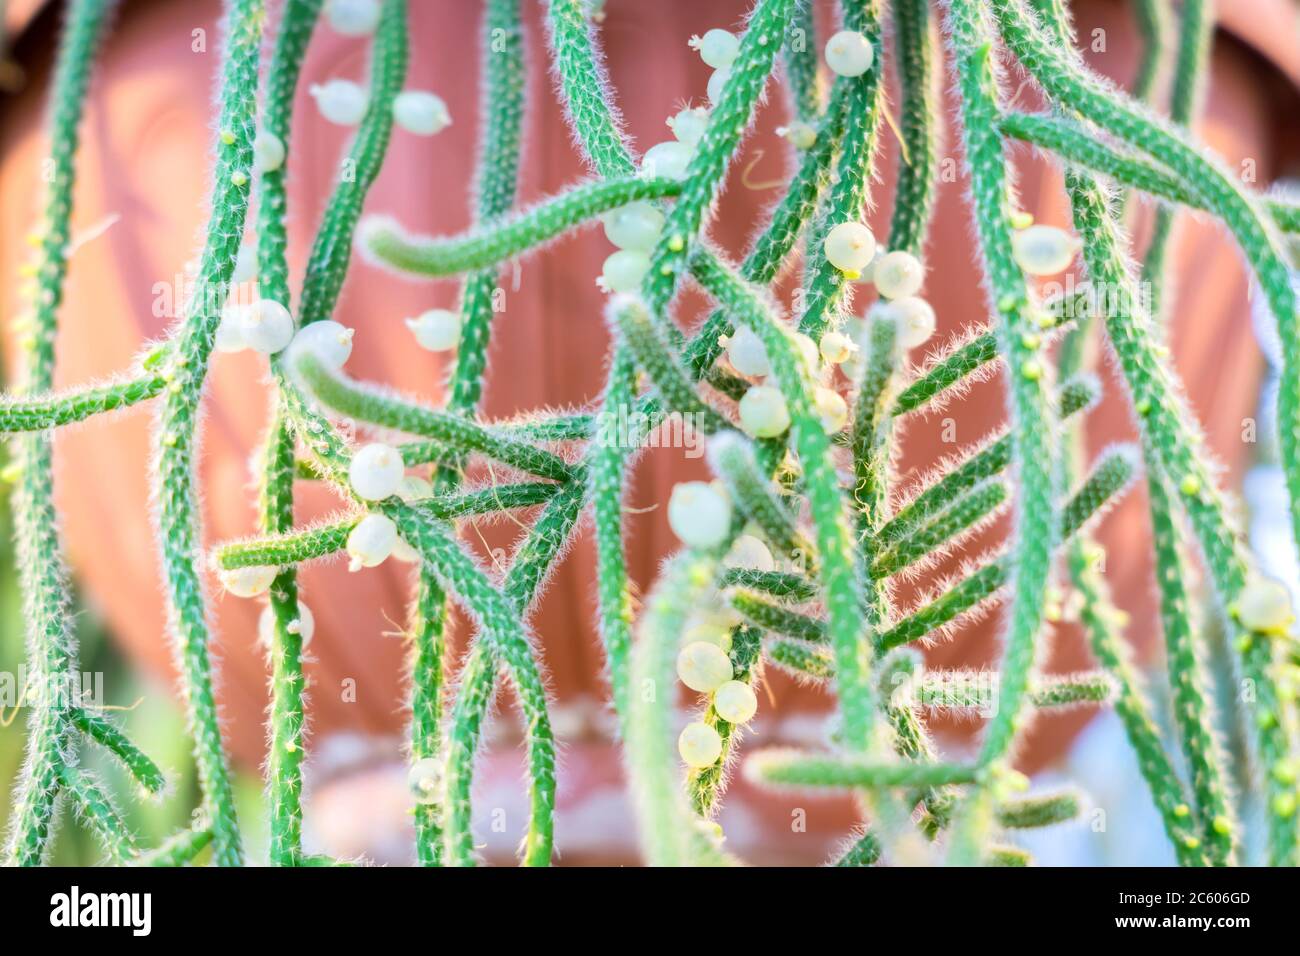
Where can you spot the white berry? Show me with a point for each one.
(437, 330)
(328, 341)
(1044, 250)
(304, 625)
(699, 513)
(915, 320)
(249, 582)
(763, 412)
(404, 552)
(898, 274)
(353, 18)
(717, 48)
(420, 112)
(749, 552)
(831, 409)
(245, 261)
(735, 702)
(413, 488)
(849, 53)
(342, 102)
(1265, 606)
(376, 471)
(746, 353)
(667, 160)
(266, 326)
(425, 779)
(717, 83)
(707, 631)
(849, 247)
(699, 745)
(808, 351)
(836, 347)
(689, 125)
(624, 270)
(635, 226)
(703, 667)
(230, 331)
(799, 134)
(268, 152)
(371, 542)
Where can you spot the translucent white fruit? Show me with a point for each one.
(763, 413)
(689, 124)
(915, 320)
(1044, 250)
(327, 340)
(245, 261)
(836, 347)
(720, 615)
(230, 331)
(413, 488)
(735, 702)
(707, 631)
(808, 350)
(849, 247)
(304, 625)
(699, 513)
(635, 227)
(849, 53)
(340, 101)
(746, 353)
(717, 82)
(667, 160)
(425, 779)
(437, 330)
(371, 542)
(897, 274)
(717, 48)
(404, 552)
(703, 666)
(420, 112)
(699, 745)
(854, 366)
(376, 471)
(800, 135)
(624, 270)
(248, 582)
(353, 18)
(268, 152)
(266, 326)
(831, 409)
(1265, 606)
(749, 552)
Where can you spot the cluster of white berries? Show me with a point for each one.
(851, 248)
(255, 581)
(718, 49)
(344, 103)
(898, 277)
(704, 665)
(264, 326)
(635, 228)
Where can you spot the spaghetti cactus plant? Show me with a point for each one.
(791, 558)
